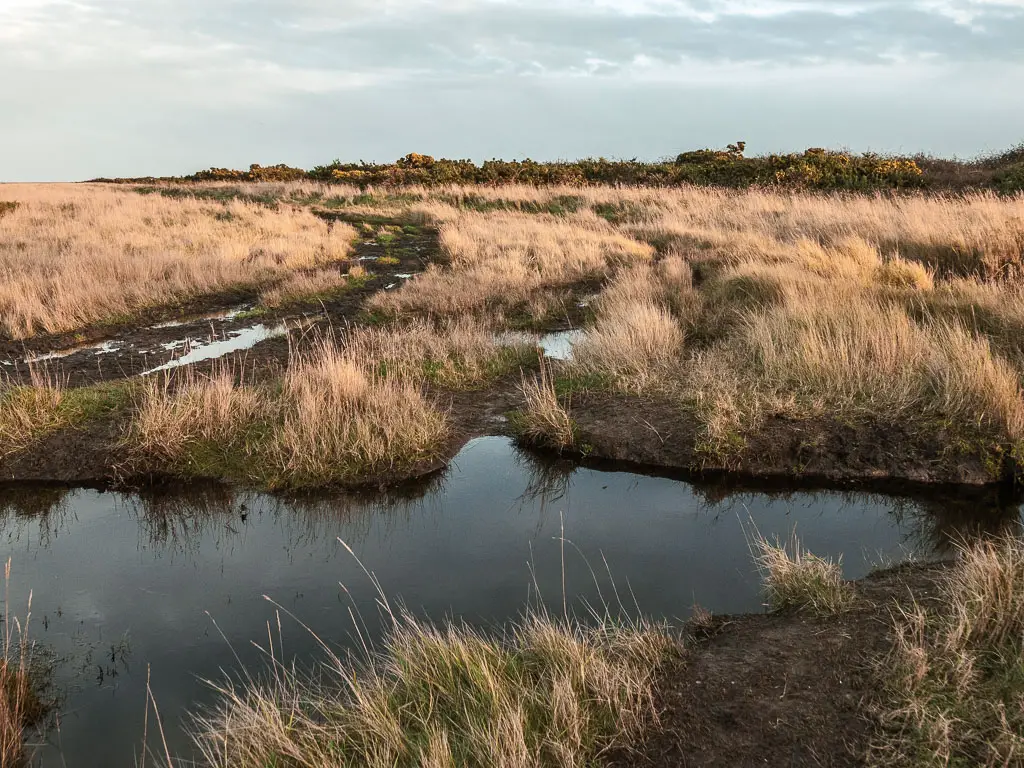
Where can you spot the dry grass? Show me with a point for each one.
(29, 411)
(795, 578)
(307, 286)
(332, 419)
(20, 703)
(744, 308)
(544, 421)
(339, 420)
(548, 693)
(636, 338)
(954, 687)
(460, 353)
(503, 259)
(71, 256)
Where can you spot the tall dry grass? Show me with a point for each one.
(332, 418)
(28, 411)
(75, 255)
(548, 693)
(954, 693)
(544, 421)
(462, 352)
(501, 259)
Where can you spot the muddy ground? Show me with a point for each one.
(785, 689)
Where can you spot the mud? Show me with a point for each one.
(781, 689)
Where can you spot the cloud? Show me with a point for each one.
(122, 65)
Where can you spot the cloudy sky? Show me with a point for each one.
(133, 87)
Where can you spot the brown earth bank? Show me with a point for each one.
(781, 689)
(617, 433)
(650, 431)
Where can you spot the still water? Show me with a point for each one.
(174, 582)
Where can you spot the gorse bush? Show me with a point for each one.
(815, 168)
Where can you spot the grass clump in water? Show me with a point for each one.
(548, 693)
(795, 578)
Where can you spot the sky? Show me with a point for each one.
(160, 87)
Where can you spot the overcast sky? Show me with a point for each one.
(135, 87)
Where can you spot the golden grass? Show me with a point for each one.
(331, 419)
(795, 578)
(954, 693)
(29, 411)
(71, 256)
(306, 286)
(459, 353)
(739, 306)
(544, 421)
(549, 693)
(340, 419)
(635, 337)
(501, 259)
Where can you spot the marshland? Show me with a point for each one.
(545, 465)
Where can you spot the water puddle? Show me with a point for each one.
(226, 315)
(197, 350)
(103, 348)
(558, 346)
(125, 583)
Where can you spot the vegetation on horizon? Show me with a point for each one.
(815, 168)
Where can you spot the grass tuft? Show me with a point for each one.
(548, 693)
(953, 684)
(544, 421)
(795, 578)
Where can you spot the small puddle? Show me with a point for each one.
(559, 345)
(231, 314)
(198, 350)
(103, 348)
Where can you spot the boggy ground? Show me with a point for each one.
(789, 688)
(831, 338)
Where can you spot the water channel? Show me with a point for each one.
(173, 582)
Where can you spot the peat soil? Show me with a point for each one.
(880, 456)
(781, 689)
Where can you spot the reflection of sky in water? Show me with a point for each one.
(102, 565)
(246, 338)
(558, 346)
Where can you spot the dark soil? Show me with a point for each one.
(880, 456)
(786, 689)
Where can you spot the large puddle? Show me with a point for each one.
(123, 582)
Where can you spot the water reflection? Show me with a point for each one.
(150, 571)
